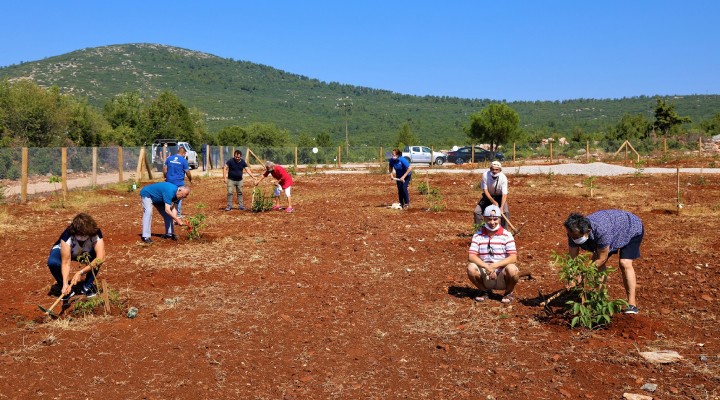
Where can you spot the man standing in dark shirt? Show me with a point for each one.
(233, 176)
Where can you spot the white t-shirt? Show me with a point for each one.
(495, 186)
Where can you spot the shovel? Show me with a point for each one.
(515, 231)
(49, 310)
(546, 302)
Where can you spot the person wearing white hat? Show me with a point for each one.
(494, 185)
(491, 258)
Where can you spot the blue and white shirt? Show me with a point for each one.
(610, 228)
(78, 247)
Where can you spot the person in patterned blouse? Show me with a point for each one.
(604, 233)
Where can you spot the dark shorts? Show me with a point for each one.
(631, 251)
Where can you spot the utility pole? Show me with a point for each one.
(346, 104)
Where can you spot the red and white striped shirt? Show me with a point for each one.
(491, 249)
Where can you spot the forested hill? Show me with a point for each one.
(239, 92)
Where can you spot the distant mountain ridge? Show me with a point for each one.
(239, 92)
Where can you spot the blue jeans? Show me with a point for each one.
(55, 264)
(403, 194)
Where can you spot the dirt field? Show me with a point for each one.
(348, 299)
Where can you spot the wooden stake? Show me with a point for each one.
(679, 205)
(587, 151)
(551, 158)
(120, 165)
(94, 166)
(141, 161)
(24, 175)
(63, 172)
(106, 298)
(700, 146)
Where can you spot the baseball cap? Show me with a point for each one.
(496, 164)
(491, 211)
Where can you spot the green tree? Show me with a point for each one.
(305, 141)
(86, 126)
(124, 109)
(232, 136)
(167, 118)
(124, 113)
(323, 140)
(32, 116)
(666, 118)
(405, 137)
(711, 126)
(267, 135)
(200, 130)
(631, 127)
(496, 124)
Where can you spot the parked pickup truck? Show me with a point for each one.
(422, 154)
(171, 146)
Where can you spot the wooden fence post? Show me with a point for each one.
(587, 151)
(141, 161)
(678, 204)
(626, 150)
(296, 158)
(338, 156)
(664, 146)
(514, 151)
(551, 159)
(94, 166)
(24, 175)
(700, 147)
(63, 171)
(120, 165)
(472, 155)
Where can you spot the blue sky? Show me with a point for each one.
(501, 50)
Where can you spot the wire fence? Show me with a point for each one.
(46, 162)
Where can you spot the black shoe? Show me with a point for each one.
(631, 309)
(89, 292)
(68, 296)
(169, 236)
(241, 208)
(55, 290)
(147, 240)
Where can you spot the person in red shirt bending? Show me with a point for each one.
(285, 183)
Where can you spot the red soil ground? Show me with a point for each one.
(346, 298)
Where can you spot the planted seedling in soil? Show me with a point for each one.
(196, 224)
(55, 180)
(261, 202)
(587, 283)
(435, 200)
(423, 188)
(590, 182)
(88, 306)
